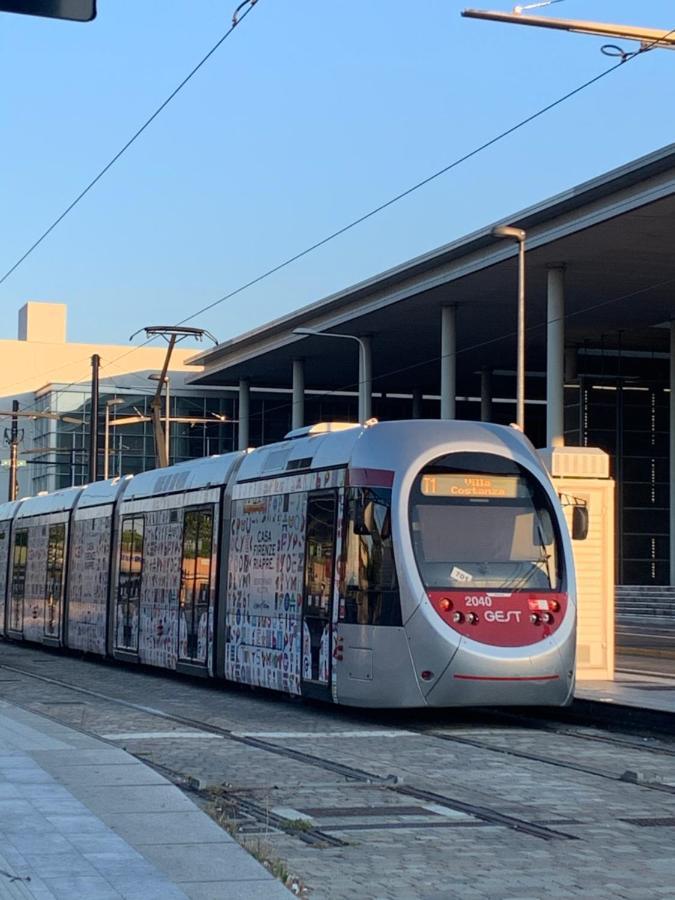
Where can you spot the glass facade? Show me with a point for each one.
(620, 404)
(65, 461)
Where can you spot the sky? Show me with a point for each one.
(312, 113)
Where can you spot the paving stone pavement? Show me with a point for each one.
(82, 819)
(610, 837)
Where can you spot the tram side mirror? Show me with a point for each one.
(580, 523)
(363, 517)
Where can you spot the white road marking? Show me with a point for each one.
(287, 812)
(145, 735)
(445, 811)
(323, 734)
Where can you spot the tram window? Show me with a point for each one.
(19, 564)
(56, 547)
(320, 553)
(481, 520)
(368, 584)
(129, 586)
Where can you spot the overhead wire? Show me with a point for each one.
(373, 212)
(239, 15)
(502, 135)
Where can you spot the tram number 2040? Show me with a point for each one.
(478, 601)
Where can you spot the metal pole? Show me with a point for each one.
(106, 442)
(167, 427)
(365, 380)
(448, 362)
(298, 414)
(648, 37)
(555, 358)
(244, 413)
(520, 386)
(156, 410)
(13, 451)
(486, 395)
(93, 419)
(417, 403)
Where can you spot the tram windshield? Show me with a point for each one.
(481, 521)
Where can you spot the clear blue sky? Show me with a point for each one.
(313, 112)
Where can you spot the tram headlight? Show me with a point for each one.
(534, 618)
(458, 617)
(472, 618)
(547, 618)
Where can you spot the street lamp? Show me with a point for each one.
(13, 437)
(365, 375)
(519, 235)
(115, 401)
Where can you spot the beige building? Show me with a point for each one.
(41, 354)
(45, 373)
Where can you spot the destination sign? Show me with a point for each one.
(471, 485)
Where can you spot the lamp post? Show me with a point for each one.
(519, 235)
(14, 436)
(114, 401)
(365, 374)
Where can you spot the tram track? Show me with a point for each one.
(390, 782)
(319, 837)
(551, 761)
(555, 728)
(246, 808)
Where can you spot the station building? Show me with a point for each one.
(437, 338)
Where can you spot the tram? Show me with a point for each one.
(392, 564)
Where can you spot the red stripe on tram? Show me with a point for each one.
(507, 677)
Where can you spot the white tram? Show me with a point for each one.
(397, 564)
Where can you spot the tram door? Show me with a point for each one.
(318, 591)
(195, 585)
(56, 548)
(129, 584)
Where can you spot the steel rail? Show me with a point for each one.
(483, 813)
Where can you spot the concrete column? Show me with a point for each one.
(486, 395)
(365, 379)
(298, 414)
(417, 404)
(244, 413)
(671, 467)
(448, 362)
(555, 358)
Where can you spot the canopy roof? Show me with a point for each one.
(614, 235)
